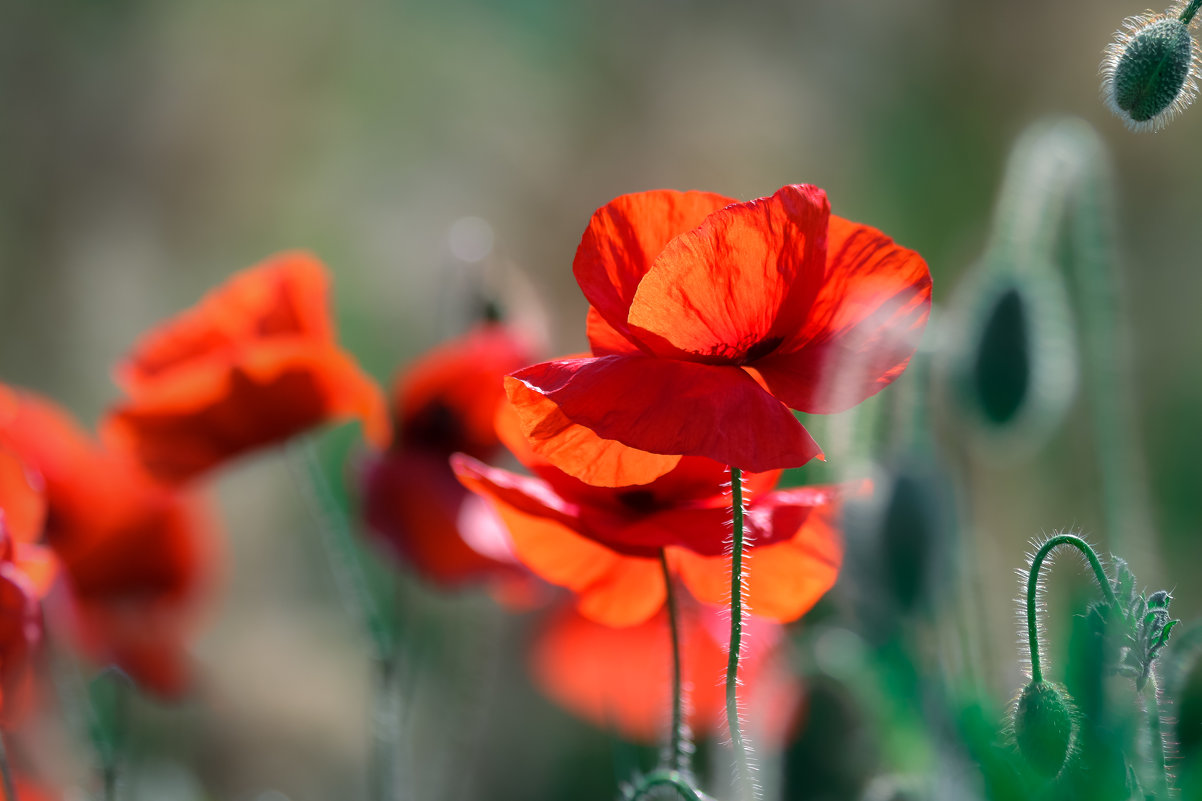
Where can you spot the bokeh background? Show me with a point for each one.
(150, 149)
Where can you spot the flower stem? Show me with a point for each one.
(1156, 738)
(1187, 13)
(678, 744)
(1033, 586)
(6, 774)
(744, 781)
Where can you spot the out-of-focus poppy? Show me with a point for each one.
(26, 573)
(443, 403)
(621, 678)
(604, 543)
(709, 320)
(255, 362)
(136, 556)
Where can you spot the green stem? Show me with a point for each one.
(1156, 738)
(745, 782)
(1033, 586)
(1187, 14)
(647, 785)
(6, 774)
(678, 743)
(341, 549)
(385, 731)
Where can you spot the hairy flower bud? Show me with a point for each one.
(1149, 70)
(1045, 726)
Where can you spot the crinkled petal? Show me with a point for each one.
(623, 239)
(661, 406)
(864, 325)
(737, 286)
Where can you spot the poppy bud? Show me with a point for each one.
(1045, 726)
(1016, 372)
(1149, 70)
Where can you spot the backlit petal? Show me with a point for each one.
(863, 328)
(737, 286)
(661, 406)
(623, 239)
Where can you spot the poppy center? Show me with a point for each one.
(638, 500)
(746, 351)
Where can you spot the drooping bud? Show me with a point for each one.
(1149, 70)
(1045, 726)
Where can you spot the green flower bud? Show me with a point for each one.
(1045, 726)
(1149, 71)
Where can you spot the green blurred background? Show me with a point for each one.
(149, 149)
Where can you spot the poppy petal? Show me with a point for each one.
(738, 285)
(282, 296)
(661, 406)
(203, 414)
(863, 328)
(784, 579)
(623, 239)
(604, 339)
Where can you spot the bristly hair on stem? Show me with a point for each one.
(745, 783)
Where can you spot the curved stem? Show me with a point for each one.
(744, 780)
(1033, 585)
(652, 781)
(678, 750)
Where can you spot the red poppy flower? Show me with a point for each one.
(26, 573)
(443, 403)
(620, 678)
(604, 543)
(136, 556)
(252, 364)
(709, 320)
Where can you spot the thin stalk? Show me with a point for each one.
(678, 746)
(385, 731)
(1187, 13)
(6, 774)
(1156, 738)
(1033, 585)
(744, 781)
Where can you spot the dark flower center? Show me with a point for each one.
(642, 501)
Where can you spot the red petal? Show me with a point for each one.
(864, 325)
(284, 296)
(203, 414)
(22, 498)
(623, 239)
(737, 286)
(661, 406)
(784, 579)
(447, 400)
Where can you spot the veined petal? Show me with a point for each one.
(661, 406)
(863, 327)
(623, 239)
(737, 286)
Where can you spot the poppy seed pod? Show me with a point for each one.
(1045, 726)
(1149, 70)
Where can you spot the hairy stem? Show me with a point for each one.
(1187, 13)
(1033, 585)
(744, 780)
(649, 784)
(1156, 738)
(678, 745)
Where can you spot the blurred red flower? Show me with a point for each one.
(709, 320)
(604, 542)
(443, 403)
(254, 363)
(26, 574)
(137, 556)
(621, 678)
